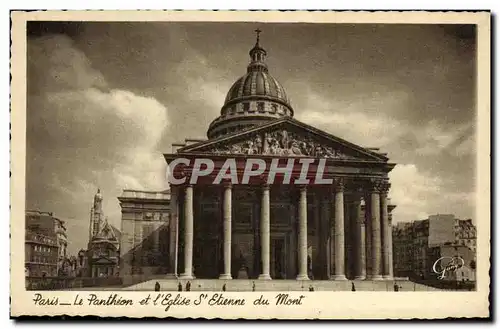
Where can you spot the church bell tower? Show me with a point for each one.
(96, 215)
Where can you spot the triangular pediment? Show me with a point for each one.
(285, 137)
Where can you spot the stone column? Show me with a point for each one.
(173, 231)
(385, 230)
(324, 233)
(316, 256)
(265, 233)
(376, 247)
(389, 242)
(188, 234)
(339, 232)
(227, 232)
(302, 243)
(366, 207)
(360, 241)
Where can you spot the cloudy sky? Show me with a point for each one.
(106, 99)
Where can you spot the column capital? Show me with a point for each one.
(338, 184)
(302, 187)
(227, 183)
(265, 187)
(384, 188)
(379, 185)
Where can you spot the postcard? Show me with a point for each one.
(250, 164)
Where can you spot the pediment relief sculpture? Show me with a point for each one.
(281, 143)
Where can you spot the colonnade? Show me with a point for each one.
(372, 227)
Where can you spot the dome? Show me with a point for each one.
(257, 85)
(254, 98)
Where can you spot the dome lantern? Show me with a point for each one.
(253, 99)
(257, 57)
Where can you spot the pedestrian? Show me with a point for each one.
(311, 288)
(353, 287)
(188, 286)
(396, 287)
(224, 287)
(179, 287)
(253, 285)
(157, 286)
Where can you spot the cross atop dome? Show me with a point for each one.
(257, 31)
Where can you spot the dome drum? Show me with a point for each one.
(262, 106)
(247, 113)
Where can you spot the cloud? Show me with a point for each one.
(55, 64)
(418, 194)
(411, 191)
(82, 135)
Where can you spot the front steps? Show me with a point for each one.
(278, 285)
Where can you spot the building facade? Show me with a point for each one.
(260, 229)
(465, 234)
(467, 269)
(40, 255)
(102, 257)
(145, 233)
(418, 245)
(41, 244)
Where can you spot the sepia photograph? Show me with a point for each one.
(165, 157)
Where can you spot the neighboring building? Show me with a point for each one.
(466, 234)
(40, 255)
(441, 229)
(102, 257)
(417, 245)
(402, 238)
(279, 231)
(41, 245)
(145, 235)
(45, 223)
(465, 273)
(420, 247)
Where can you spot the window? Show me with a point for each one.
(242, 214)
(280, 214)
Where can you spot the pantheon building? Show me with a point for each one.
(256, 230)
